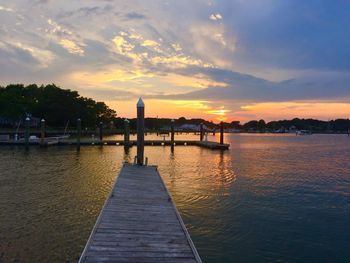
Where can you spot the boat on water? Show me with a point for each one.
(33, 138)
(303, 132)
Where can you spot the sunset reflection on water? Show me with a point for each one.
(269, 198)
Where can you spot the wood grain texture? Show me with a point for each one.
(139, 223)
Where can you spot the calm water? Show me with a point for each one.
(269, 198)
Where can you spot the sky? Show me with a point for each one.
(218, 60)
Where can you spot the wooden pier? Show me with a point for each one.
(139, 223)
(90, 142)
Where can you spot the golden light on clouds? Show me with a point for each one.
(71, 47)
(178, 61)
(207, 65)
(126, 43)
(109, 75)
(191, 104)
(162, 108)
(149, 43)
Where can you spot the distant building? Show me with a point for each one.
(232, 130)
(191, 127)
(4, 121)
(292, 128)
(281, 130)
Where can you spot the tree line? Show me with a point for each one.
(57, 106)
(338, 125)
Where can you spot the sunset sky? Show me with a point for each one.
(219, 60)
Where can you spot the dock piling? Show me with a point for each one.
(101, 131)
(221, 133)
(78, 133)
(126, 134)
(27, 124)
(172, 132)
(42, 134)
(201, 132)
(140, 131)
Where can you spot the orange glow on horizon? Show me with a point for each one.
(289, 110)
(202, 109)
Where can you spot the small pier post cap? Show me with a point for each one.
(140, 103)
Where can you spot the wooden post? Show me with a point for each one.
(140, 131)
(101, 131)
(172, 132)
(78, 133)
(27, 123)
(126, 133)
(42, 134)
(221, 133)
(201, 132)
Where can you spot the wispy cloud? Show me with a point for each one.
(215, 17)
(6, 9)
(71, 47)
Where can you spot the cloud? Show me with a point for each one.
(18, 53)
(227, 52)
(247, 88)
(215, 17)
(71, 47)
(146, 52)
(6, 9)
(85, 11)
(149, 43)
(134, 15)
(42, 1)
(57, 29)
(108, 94)
(212, 43)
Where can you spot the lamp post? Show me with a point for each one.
(140, 131)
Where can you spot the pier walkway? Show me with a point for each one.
(139, 223)
(87, 142)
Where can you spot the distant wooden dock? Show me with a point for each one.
(139, 223)
(86, 142)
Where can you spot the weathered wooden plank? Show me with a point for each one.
(149, 244)
(139, 223)
(143, 254)
(156, 248)
(140, 238)
(100, 259)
